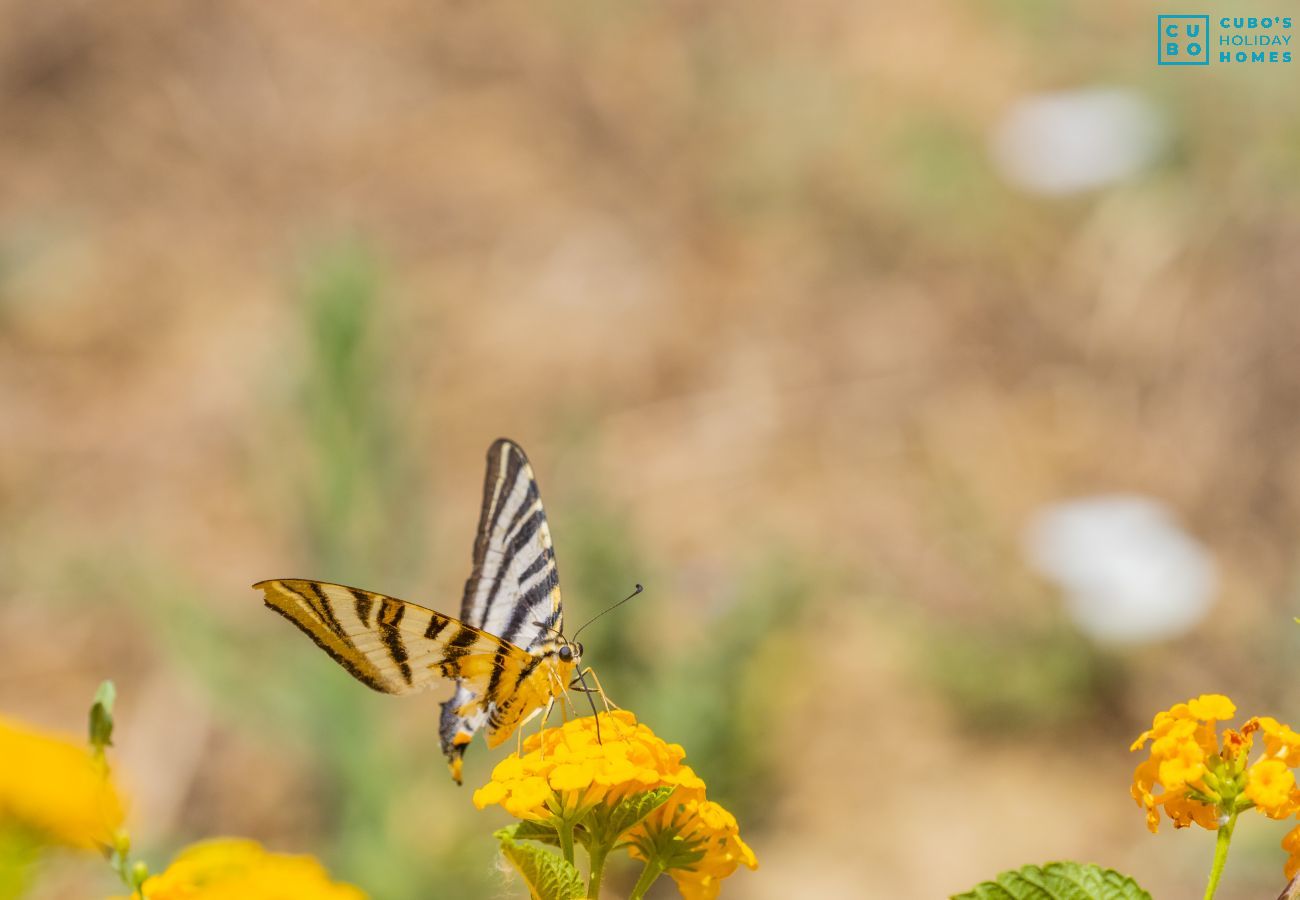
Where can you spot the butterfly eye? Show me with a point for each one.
(566, 653)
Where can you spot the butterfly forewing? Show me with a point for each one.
(388, 644)
(514, 585)
(513, 590)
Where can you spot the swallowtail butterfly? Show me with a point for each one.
(507, 654)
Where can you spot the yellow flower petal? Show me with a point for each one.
(528, 797)
(1291, 844)
(1212, 707)
(54, 788)
(1280, 742)
(229, 869)
(1271, 786)
(570, 777)
(492, 792)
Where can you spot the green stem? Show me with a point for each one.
(565, 828)
(17, 860)
(1221, 842)
(653, 869)
(597, 853)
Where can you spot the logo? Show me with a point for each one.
(1183, 40)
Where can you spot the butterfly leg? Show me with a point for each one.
(564, 710)
(580, 685)
(546, 714)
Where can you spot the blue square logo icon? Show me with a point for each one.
(1183, 40)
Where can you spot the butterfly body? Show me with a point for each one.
(506, 654)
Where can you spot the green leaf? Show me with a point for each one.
(101, 717)
(1058, 881)
(629, 811)
(604, 825)
(529, 830)
(549, 876)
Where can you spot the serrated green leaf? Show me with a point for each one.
(101, 717)
(629, 811)
(1058, 881)
(604, 825)
(548, 875)
(529, 830)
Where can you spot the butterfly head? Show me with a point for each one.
(570, 652)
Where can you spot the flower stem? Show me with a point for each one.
(653, 869)
(565, 829)
(1221, 842)
(18, 852)
(597, 854)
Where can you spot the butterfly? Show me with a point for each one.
(506, 655)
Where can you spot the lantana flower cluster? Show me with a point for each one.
(59, 793)
(236, 869)
(578, 774)
(698, 834)
(1197, 775)
(573, 766)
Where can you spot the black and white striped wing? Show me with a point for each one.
(514, 588)
(514, 584)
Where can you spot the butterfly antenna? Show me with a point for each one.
(638, 590)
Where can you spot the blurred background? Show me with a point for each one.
(933, 365)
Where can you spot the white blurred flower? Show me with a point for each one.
(1069, 141)
(1128, 571)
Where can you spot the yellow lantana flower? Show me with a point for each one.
(1280, 742)
(704, 839)
(576, 776)
(55, 789)
(1270, 786)
(231, 869)
(566, 768)
(1187, 764)
(1291, 844)
(1199, 776)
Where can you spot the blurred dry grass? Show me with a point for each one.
(779, 342)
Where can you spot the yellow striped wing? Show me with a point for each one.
(391, 645)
